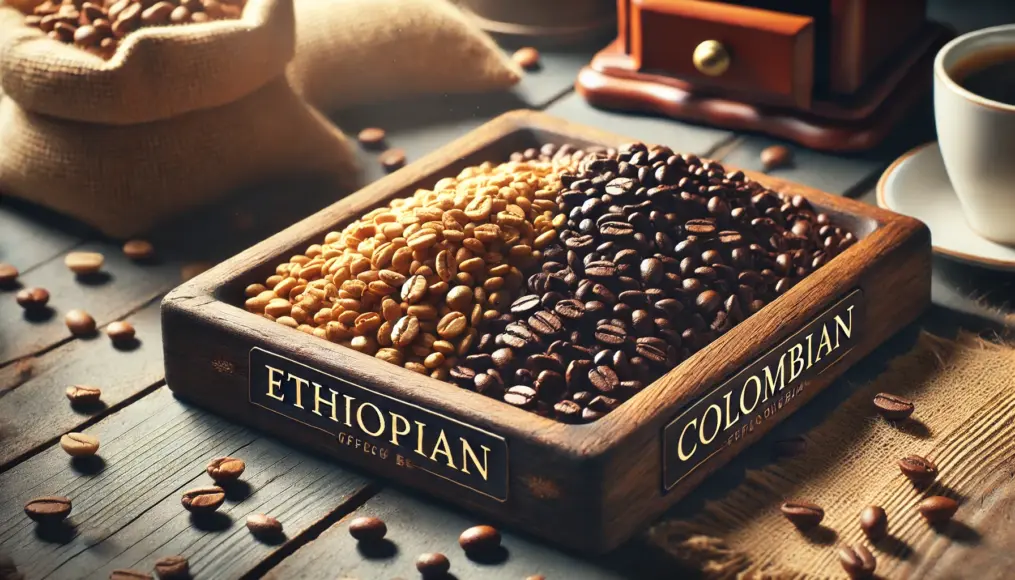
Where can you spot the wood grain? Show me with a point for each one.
(127, 509)
(26, 242)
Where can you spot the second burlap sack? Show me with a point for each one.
(178, 117)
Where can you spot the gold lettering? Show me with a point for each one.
(395, 432)
(419, 437)
(680, 442)
(810, 340)
(795, 356)
(300, 383)
(770, 381)
(274, 383)
(757, 395)
(363, 427)
(318, 400)
(847, 329)
(444, 449)
(729, 416)
(348, 410)
(718, 424)
(468, 453)
(826, 342)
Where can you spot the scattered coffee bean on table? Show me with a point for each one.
(392, 159)
(84, 262)
(225, 469)
(32, 298)
(172, 568)
(139, 250)
(527, 57)
(203, 499)
(120, 331)
(48, 509)
(776, 156)
(893, 407)
(874, 522)
(857, 561)
(433, 565)
(536, 577)
(8, 275)
(83, 394)
(479, 539)
(803, 514)
(367, 529)
(938, 509)
(126, 574)
(263, 525)
(79, 444)
(80, 322)
(921, 471)
(372, 137)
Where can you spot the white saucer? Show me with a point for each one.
(917, 185)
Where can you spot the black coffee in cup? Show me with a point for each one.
(989, 74)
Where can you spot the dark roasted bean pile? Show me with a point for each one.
(660, 255)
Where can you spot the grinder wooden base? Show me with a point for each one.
(587, 487)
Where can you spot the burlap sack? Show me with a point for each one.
(178, 117)
(964, 422)
(350, 52)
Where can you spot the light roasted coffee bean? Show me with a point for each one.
(203, 499)
(263, 525)
(80, 322)
(874, 522)
(857, 561)
(120, 332)
(392, 159)
(8, 275)
(172, 568)
(893, 407)
(372, 137)
(433, 565)
(479, 539)
(139, 250)
(776, 156)
(368, 529)
(84, 262)
(83, 394)
(802, 514)
(527, 58)
(919, 470)
(938, 509)
(32, 298)
(225, 469)
(79, 444)
(48, 509)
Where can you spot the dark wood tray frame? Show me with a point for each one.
(587, 487)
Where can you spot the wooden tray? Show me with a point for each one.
(587, 487)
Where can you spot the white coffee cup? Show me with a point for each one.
(977, 134)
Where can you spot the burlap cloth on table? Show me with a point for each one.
(965, 406)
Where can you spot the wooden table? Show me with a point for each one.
(127, 510)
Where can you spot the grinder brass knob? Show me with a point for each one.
(711, 58)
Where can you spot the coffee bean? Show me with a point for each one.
(368, 529)
(535, 577)
(225, 469)
(611, 334)
(570, 309)
(919, 470)
(120, 332)
(604, 379)
(48, 509)
(479, 539)
(80, 322)
(127, 574)
(545, 323)
(433, 565)
(893, 407)
(526, 305)
(527, 58)
(263, 525)
(372, 137)
(776, 156)
(83, 395)
(79, 444)
(874, 522)
(84, 262)
(938, 509)
(520, 396)
(172, 568)
(567, 411)
(857, 561)
(32, 298)
(392, 159)
(8, 275)
(802, 514)
(203, 499)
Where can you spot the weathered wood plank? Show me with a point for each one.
(682, 137)
(26, 240)
(417, 526)
(554, 77)
(126, 505)
(35, 410)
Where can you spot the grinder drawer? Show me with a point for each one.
(766, 55)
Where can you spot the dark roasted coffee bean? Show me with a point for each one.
(544, 362)
(520, 396)
(603, 404)
(700, 227)
(526, 305)
(567, 411)
(708, 301)
(48, 509)
(590, 415)
(368, 529)
(550, 385)
(433, 565)
(225, 469)
(203, 499)
(172, 568)
(857, 561)
(545, 323)
(502, 357)
(570, 309)
(802, 514)
(919, 470)
(479, 540)
(874, 522)
(577, 373)
(489, 383)
(583, 398)
(652, 349)
(893, 407)
(462, 373)
(604, 379)
(938, 509)
(611, 335)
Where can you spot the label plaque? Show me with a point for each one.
(759, 392)
(364, 421)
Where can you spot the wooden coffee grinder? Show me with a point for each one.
(834, 75)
